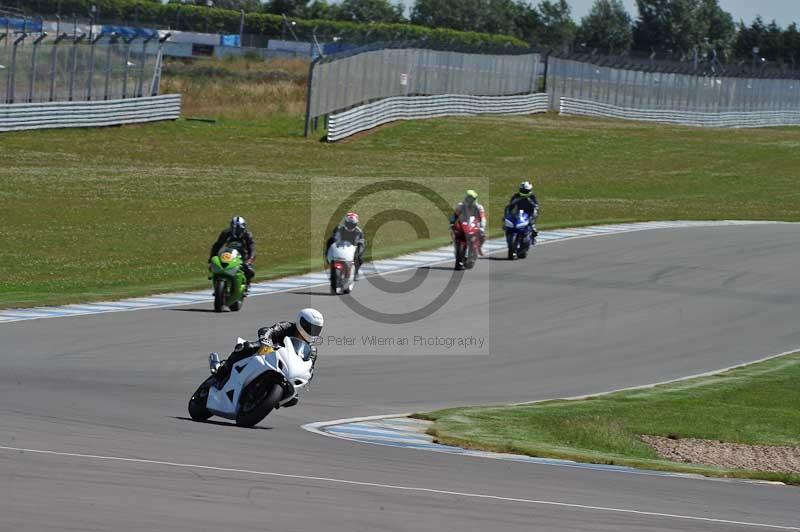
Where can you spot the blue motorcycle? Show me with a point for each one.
(519, 234)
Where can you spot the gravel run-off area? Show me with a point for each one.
(727, 455)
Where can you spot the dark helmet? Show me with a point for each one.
(238, 226)
(525, 189)
(351, 221)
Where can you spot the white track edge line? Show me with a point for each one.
(406, 488)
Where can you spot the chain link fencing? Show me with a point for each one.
(38, 68)
(343, 81)
(674, 91)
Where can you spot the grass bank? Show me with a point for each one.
(756, 405)
(238, 87)
(106, 213)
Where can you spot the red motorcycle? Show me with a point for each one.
(467, 242)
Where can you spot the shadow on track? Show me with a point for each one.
(441, 268)
(218, 423)
(191, 309)
(310, 293)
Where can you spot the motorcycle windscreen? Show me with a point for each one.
(300, 347)
(228, 254)
(342, 251)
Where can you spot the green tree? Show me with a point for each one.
(791, 38)
(529, 25)
(320, 9)
(290, 8)
(607, 27)
(721, 31)
(370, 11)
(679, 28)
(492, 16)
(557, 27)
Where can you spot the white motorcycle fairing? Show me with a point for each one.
(344, 252)
(292, 369)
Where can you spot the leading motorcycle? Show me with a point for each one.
(519, 233)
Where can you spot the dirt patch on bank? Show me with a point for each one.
(727, 455)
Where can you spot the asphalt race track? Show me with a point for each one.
(106, 396)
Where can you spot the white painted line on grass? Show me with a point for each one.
(417, 489)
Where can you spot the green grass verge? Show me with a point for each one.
(757, 404)
(105, 213)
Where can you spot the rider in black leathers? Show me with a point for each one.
(237, 233)
(307, 327)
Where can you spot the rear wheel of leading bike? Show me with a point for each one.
(219, 295)
(469, 260)
(258, 399)
(459, 250)
(198, 401)
(334, 280)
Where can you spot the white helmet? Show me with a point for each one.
(309, 323)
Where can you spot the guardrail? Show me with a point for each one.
(371, 115)
(742, 119)
(21, 116)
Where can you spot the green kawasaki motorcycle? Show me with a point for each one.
(228, 280)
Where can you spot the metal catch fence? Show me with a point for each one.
(343, 81)
(39, 68)
(639, 89)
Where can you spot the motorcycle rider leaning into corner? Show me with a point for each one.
(237, 233)
(524, 200)
(349, 231)
(307, 327)
(470, 207)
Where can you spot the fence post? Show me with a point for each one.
(128, 43)
(156, 84)
(53, 58)
(32, 81)
(112, 40)
(3, 37)
(140, 84)
(92, 44)
(12, 79)
(74, 68)
(308, 95)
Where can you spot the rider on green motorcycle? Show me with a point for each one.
(238, 236)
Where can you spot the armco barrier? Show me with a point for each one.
(368, 116)
(21, 116)
(570, 106)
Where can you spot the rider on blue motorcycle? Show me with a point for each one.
(524, 200)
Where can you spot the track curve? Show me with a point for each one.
(108, 392)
